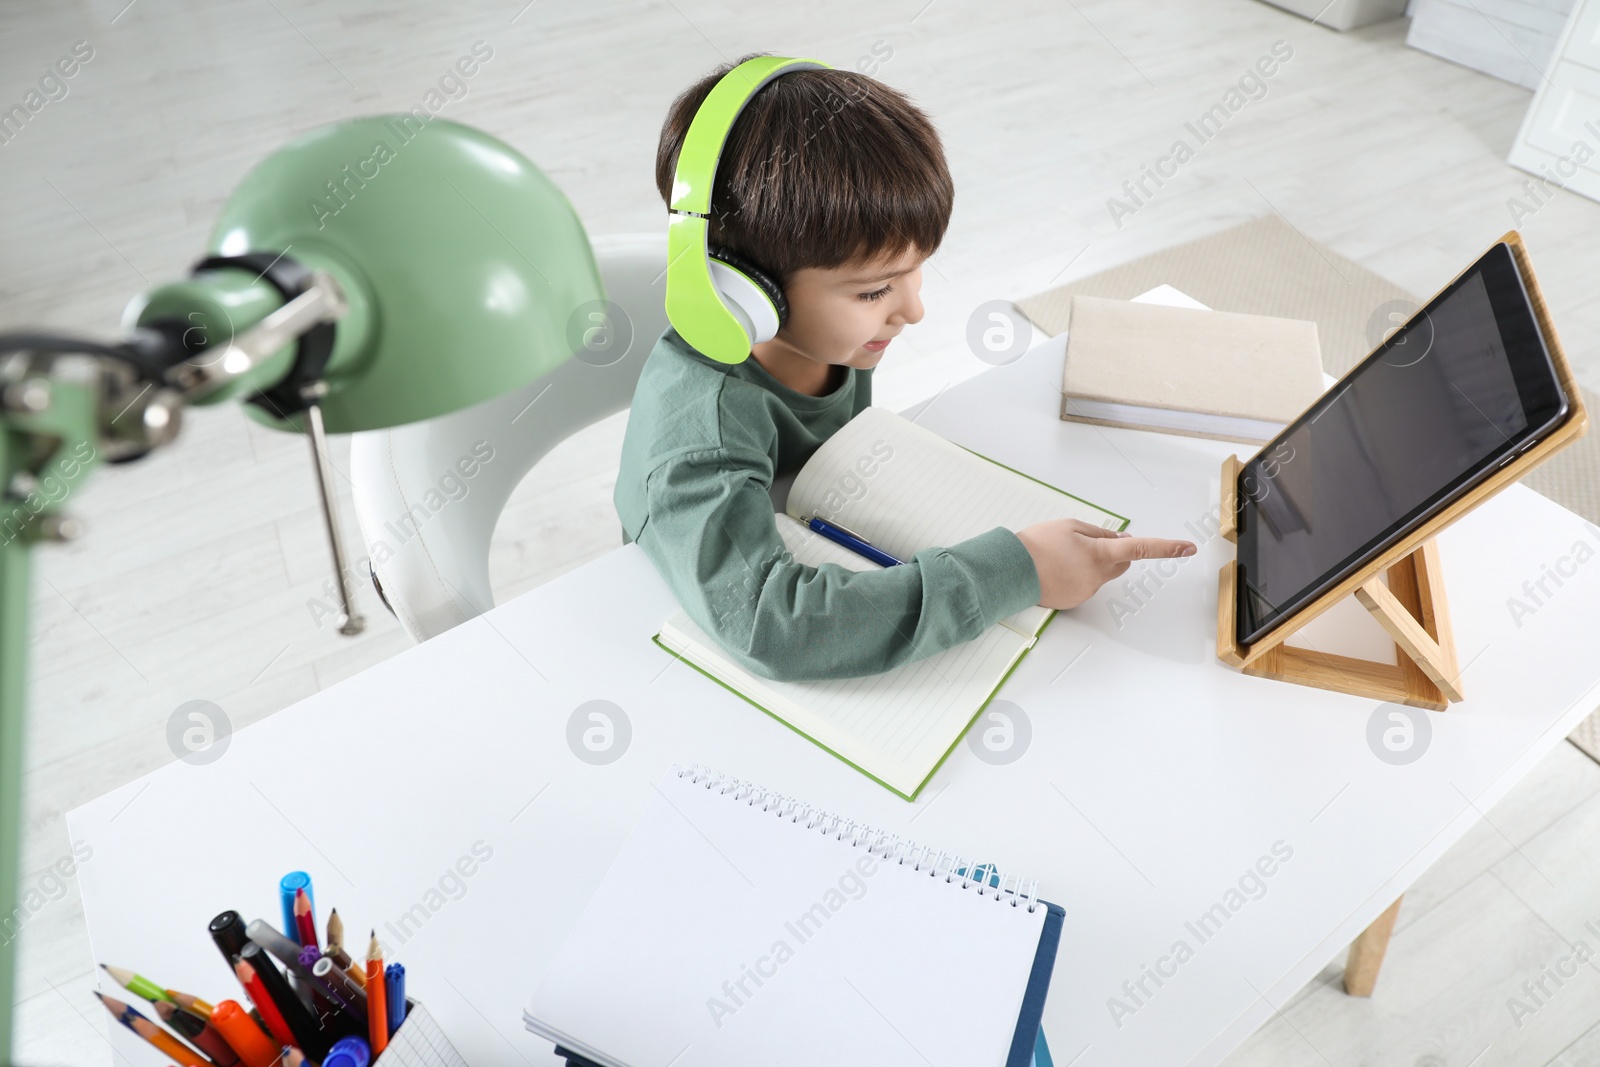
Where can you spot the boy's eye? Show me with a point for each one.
(878, 294)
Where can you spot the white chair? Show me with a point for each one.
(425, 522)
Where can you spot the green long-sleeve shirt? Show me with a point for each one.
(704, 442)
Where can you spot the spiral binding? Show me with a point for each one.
(883, 845)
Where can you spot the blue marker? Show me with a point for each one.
(853, 541)
(394, 984)
(286, 887)
(348, 1052)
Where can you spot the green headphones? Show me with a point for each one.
(717, 301)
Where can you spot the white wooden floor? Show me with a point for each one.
(194, 580)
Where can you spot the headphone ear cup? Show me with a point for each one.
(750, 293)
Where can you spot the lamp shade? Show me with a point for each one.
(465, 268)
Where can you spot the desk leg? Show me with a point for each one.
(1366, 953)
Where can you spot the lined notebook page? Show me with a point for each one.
(895, 967)
(905, 488)
(896, 725)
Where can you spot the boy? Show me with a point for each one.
(836, 186)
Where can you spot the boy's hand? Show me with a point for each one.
(1074, 559)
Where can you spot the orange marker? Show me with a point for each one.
(377, 999)
(152, 1033)
(255, 1048)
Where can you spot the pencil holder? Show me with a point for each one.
(419, 1043)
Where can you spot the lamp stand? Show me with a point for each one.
(13, 662)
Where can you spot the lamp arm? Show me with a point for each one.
(242, 358)
(67, 404)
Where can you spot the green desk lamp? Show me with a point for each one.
(371, 273)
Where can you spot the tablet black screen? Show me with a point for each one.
(1460, 388)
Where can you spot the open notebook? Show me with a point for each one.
(740, 927)
(922, 491)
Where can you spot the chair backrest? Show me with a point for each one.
(428, 494)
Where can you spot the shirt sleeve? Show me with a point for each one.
(713, 536)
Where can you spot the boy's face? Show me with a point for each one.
(849, 314)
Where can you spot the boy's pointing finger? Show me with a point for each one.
(1128, 549)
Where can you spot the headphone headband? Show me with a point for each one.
(721, 316)
(708, 131)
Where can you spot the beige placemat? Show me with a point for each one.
(1261, 267)
(1267, 267)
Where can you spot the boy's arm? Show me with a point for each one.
(713, 537)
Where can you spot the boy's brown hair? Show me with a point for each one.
(821, 168)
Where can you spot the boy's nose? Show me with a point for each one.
(910, 309)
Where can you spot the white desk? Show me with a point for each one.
(1155, 778)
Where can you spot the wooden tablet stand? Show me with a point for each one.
(1411, 607)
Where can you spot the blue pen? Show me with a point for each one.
(853, 541)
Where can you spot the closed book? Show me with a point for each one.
(1187, 369)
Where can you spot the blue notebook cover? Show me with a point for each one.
(1028, 1045)
(1041, 1052)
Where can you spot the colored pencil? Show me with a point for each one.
(377, 1002)
(252, 1044)
(335, 933)
(305, 923)
(165, 1042)
(137, 984)
(264, 1004)
(293, 1057)
(191, 1004)
(199, 1033)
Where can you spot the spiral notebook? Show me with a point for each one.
(904, 488)
(738, 926)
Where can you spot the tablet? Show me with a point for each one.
(1462, 389)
